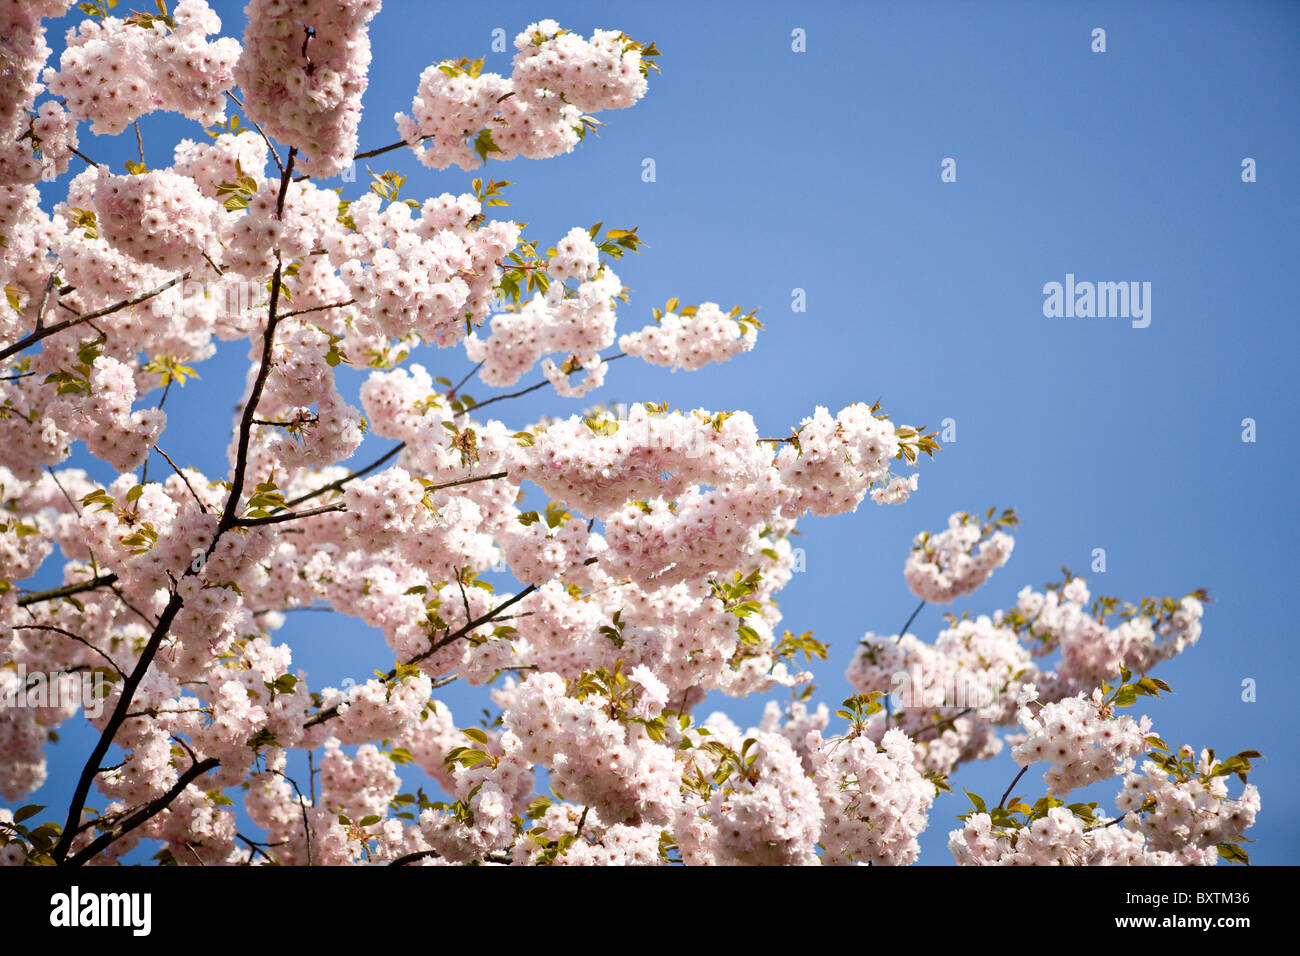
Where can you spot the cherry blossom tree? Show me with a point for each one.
(644, 582)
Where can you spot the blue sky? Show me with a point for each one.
(820, 170)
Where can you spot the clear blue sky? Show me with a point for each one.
(820, 170)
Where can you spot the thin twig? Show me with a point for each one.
(197, 499)
(287, 516)
(410, 858)
(330, 713)
(302, 803)
(140, 614)
(468, 375)
(337, 485)
(66, 590)
(76, 637)
(81, 156)
(1023, 770)
(319, 308)
(270, 145)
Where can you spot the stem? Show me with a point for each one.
(286, 516)
(148, 811)
(889, 711)
(41, 333)
(302, 804)
(319, 308)
(76, 637)
(332, 712)
(197, 499)
(81, 156)
(413, 857)
(335, 485)
(268, 341)
(67, 590)
(160, 631)
(1013, 784)
(911, 619)
(271, 146)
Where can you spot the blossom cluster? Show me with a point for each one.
(303, 70)
(542, 109)
(114, 70)
(647, 546)
(956, 561)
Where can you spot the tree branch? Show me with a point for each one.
(271, 146)
(302, 804)
(320, 308)
(268, 340)
(76, 637)
(226, 522)
(67, 590)
(287, 516)
(144, 814)
(332, 712)
(1023, 770)
(197, 499)
(42, 333)
(336, 485)
(413, 857)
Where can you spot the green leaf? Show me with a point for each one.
(484, 144)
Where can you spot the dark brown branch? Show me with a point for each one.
(413, 857)
(373, 152)
(228, 517)
(320, 308)
(287, 516)
(332, 712)
(525, 391)
(129, 686)
(1023, 770)
(271, 146)
(160, 631)
(76, 637)
(143, 815)
(66, 590)
(468, 375)
(465, 629)
(946, 722)
(131, 607)
(467, 481)
(39, 334)
(257, 848)
(302, 804)
(181, 474)
(83, 157)
(337, 485)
